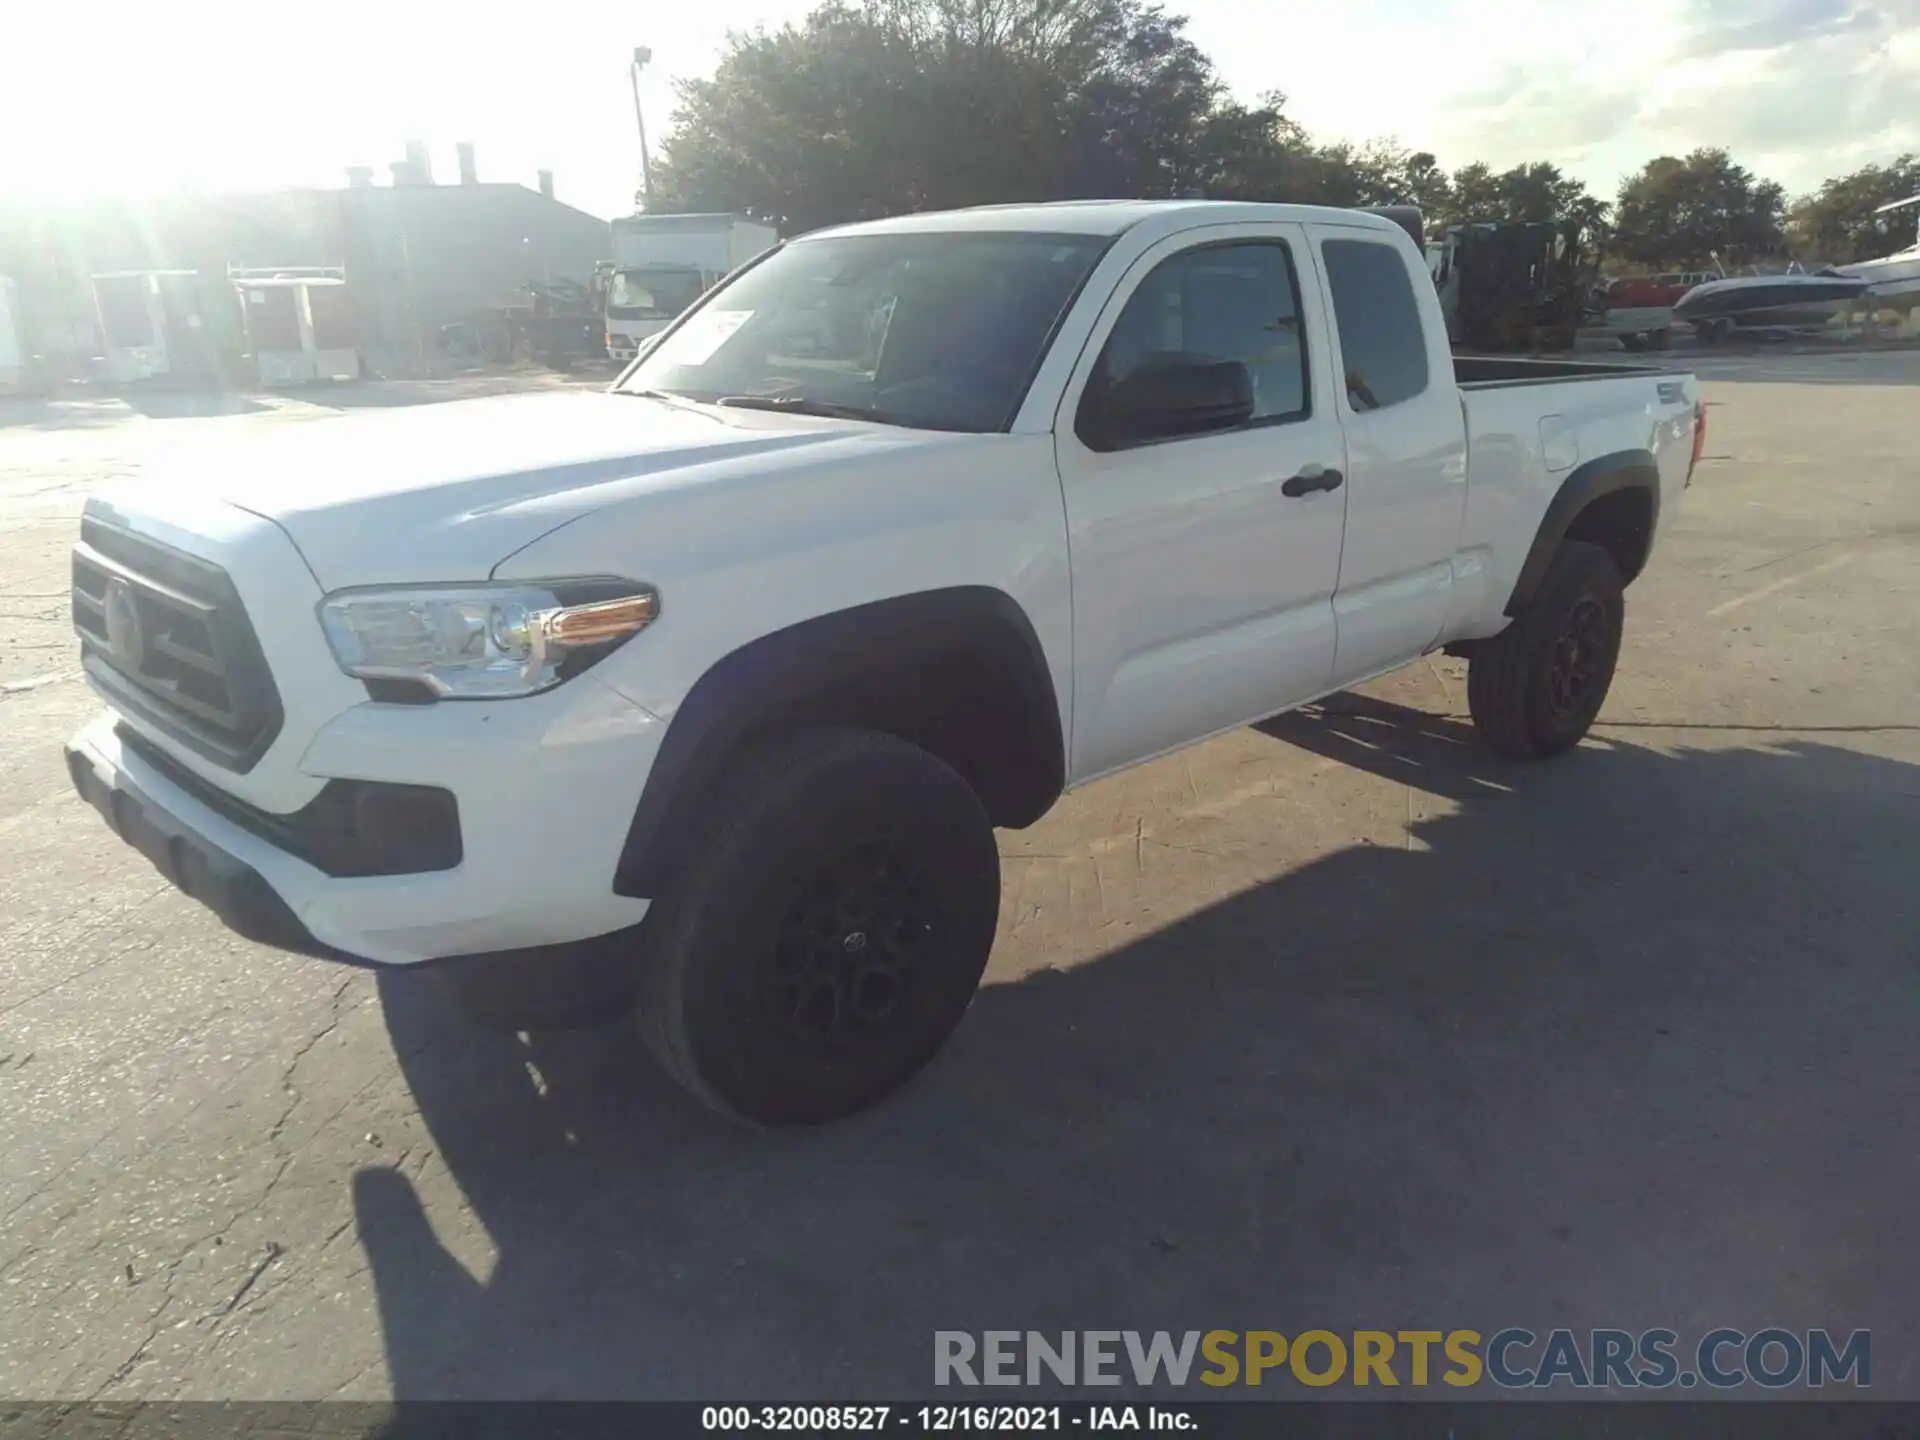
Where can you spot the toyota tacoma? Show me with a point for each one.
(695, 701)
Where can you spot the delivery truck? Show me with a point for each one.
(663, 263)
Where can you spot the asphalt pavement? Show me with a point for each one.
(1334, 1022)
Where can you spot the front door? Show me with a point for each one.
(1203, 566)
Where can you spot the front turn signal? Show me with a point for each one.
(604, 620)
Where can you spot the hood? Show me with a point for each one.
(446, 492)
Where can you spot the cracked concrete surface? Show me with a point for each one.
(1331, 1022)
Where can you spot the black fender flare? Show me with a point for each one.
(959, 670)
(1603, 475)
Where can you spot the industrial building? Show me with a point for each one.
(416, 277)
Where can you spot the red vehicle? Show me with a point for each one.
(1640, 307)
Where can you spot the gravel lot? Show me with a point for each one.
(1336, 1022)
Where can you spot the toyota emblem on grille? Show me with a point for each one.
(125, 641)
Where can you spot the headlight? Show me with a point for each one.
(484, 642)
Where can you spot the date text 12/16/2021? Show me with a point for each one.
(943, 1419)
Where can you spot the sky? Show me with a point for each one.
(132, 97)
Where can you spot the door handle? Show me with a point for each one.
(1314, 477)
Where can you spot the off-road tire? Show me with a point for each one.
(827, 932)
(1517, 688)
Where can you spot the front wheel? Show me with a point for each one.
(1535, 688)
(828, 931)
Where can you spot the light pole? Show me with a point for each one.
(641, 55)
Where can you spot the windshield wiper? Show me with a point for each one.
(803, 405)
(685, 402)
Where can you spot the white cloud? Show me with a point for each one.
(1796, 89)
(1711, 28)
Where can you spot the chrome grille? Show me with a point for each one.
(164, 634)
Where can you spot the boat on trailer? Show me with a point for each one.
(1893, 281)
(1792, 301)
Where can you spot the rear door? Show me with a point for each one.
(1202, 578)
(1406, 449)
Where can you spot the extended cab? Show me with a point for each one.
(707, 691)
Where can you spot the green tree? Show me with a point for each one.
(1535, 191)
(1837, 223)
(1427, 185)
(901, 105)
(1257, 153)
(1378, 172)
(1680, 213)
(1476, 195)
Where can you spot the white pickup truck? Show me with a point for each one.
(707, 692)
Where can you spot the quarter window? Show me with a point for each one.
(1383, 345)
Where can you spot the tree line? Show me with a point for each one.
(876, 107)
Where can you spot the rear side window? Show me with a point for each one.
(1382, 343)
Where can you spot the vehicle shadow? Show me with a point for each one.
(1622, 1040)
(103, 409)
(166, 404)
(39, 412)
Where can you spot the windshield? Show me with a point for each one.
(652, 294)
(939, 331)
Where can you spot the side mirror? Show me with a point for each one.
(1166, 397)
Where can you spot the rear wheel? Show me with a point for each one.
(1535, 688)
(828, 933)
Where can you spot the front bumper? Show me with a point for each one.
(195, 865)
(546, 788)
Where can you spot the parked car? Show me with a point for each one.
(704, 695)
(1640, 307)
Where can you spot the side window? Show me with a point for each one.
(1223, 319)
(1382, 342)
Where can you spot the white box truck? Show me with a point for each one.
(663, 263)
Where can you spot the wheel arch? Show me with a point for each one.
(959, 671)
(1612, 501)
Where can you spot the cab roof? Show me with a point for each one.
(1105, 217)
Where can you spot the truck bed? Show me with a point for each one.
(1490, 372)
(1525, 441)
